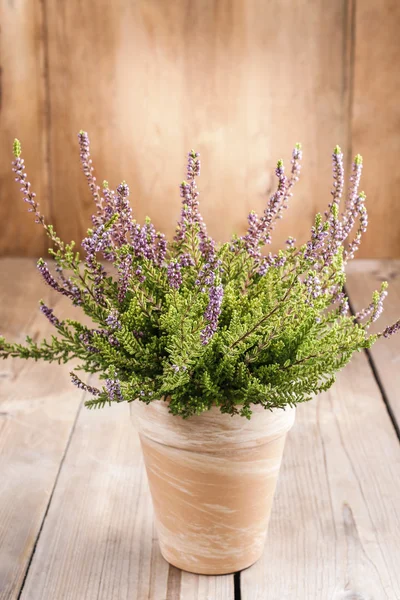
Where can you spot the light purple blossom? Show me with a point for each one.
(71, 292)
(114, 392)
(190, 216)
(125, 274)
(113, 320)
(212, 313)
(29, 196)
(272, 260)
(391, 329)
(83, 386)
(84, 146)
(174, 274)
(48, 312)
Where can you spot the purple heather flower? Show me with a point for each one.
(123, 226)
(84, 145)
(174, 274)
(83, 386)
(338, 175)
(185, 260)
(98, 241)
(208, 272)
(259, 231)
(48, 312)
(363, 224)
(113, 321)
(87, 339)
(212, 313)
(160, 249)
(290, 242)
(391, 329)
(344, 306)
(313, 285)
(71, 292)
(177, 368)
(125, 274)
(114, 390)
(378, 300)
(190, 215)
(29, 196)
(354, 185)
(272, 260)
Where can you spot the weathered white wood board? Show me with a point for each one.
(335, 526)
(37, 412)
(365, 276)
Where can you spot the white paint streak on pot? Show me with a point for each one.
(212, 479)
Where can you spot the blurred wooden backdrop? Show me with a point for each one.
(239, 80)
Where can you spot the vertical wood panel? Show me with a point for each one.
(376, 121)
(239, 81)
(22, 114)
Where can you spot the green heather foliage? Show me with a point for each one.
(204, 324)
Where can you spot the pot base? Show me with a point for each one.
(182, 565)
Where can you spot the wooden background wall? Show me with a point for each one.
(239, 80)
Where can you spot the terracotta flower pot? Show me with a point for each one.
(212, 479)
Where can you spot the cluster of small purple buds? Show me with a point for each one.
(212, 313)
(174, 274)
(114, 392)
(83, 386)
(48, 312)
(113, 321)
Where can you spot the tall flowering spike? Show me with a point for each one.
(190, 215)
(377, 301)
(259, 231)
(193, 166)
(125, 274)
(355, 177)
(123, 226)
(73, 293)
(359, 211)
(338, 176)
(212, 313)
(391, 329)
(83, 386)
(48, 312)
(86, 161)
(18, 166)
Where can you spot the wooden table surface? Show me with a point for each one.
(76, 518)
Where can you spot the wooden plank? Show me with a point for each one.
(98, 540)
(242, 82)
(37, 412)
(365, 276)
(22, 109)
(335, 526)
(375, 118)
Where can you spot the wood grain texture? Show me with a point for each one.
(242, 82)
(375, 121)
(37, 412)
(22, 114)
(335, 523)
(98, 540)
(363, 278)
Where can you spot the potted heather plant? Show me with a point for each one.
(213, 346)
